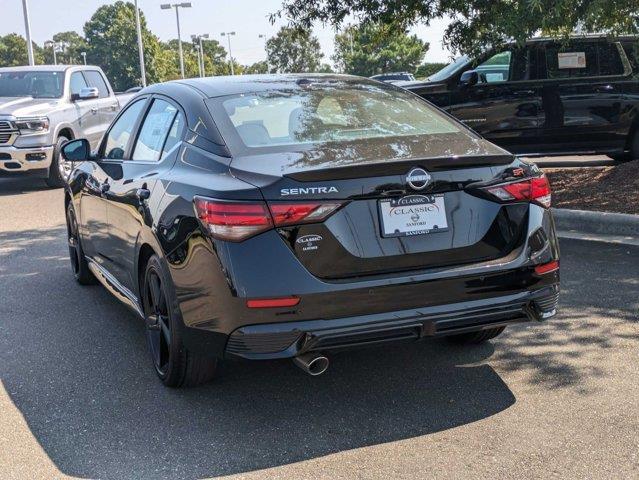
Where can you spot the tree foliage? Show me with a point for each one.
(369, 49)
(112, 44)
(293, 51)
(73, 43)
(13, 51)
(427, 69)
(476, 24)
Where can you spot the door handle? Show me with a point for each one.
(94, 110)
(604, 88)
(114, 107)
(143, 194)
(524, 93)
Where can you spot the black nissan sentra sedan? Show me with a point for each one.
(290, 216)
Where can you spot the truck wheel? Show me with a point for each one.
(174, 363)
(79, 263)
(476, 337)
(59, 170)
(633, 154)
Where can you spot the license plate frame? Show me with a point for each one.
(430, 211)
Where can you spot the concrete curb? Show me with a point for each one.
(598, 226)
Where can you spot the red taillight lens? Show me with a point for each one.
(233, 221)
(296, 213)
(547, 267)
(236, 221)
(273, 302)
(536, 190)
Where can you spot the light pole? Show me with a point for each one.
(228, 37)
(199, 38)
(84, 57)
(199, 59)
(55, 46)
(166, 6)
(138, 27)
(27, 28)
(268, 65)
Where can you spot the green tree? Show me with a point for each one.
(74, 44)
(476, 24)
(112, 44)
(257, 67)
(13, 51)
(369, 49)
(427, 69)
(292, 51)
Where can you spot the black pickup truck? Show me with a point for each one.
(575, 96)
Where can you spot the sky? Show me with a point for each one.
(248, 18)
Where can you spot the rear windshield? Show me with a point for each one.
(331, 114)
(31, 84)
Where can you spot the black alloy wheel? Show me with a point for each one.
(158, 325)
(79, 264)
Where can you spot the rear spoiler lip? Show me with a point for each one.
(400, 167)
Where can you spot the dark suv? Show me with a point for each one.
(549, 96)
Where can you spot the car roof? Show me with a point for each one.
(46, 68)
(238, 84)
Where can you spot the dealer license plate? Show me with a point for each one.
(412, 215)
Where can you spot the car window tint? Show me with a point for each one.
(495, 69)
(77, 83)
(610, 59)
(571, 61)
(95, 80)
(154, 131)
(120, 133)
(347, 113)
(524, 64)
(175, 134)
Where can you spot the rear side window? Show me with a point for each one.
(77, 83)
(95, 80)
(609, 60)
(156, 127)
(118, 137)
(583, 59)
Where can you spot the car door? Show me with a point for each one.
(106, 104)
(132, 196)
(582, 98)
(100, 173)
(504, 105)
(88, 123)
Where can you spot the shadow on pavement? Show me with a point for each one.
(13, 186)
(75, 364)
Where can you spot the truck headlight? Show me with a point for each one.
(32, 125)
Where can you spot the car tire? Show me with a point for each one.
(476, 337)
(174, 364)
(633, 151)
(79, 264)
(56, 178)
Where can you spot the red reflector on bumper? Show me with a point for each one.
(547, 267)
(273, 302)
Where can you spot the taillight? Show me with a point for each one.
(236, 221)
(233, 221)
(296, 213)
(544, 268)
(535, 190)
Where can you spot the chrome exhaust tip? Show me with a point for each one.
(312, 363)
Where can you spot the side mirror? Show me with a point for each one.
(76, 150)
(86, 93)
(469, 78)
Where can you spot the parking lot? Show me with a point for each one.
(78, 396)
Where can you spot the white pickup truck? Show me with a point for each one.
(43, 106)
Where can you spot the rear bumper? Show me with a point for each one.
(288, 339)
(31, 161)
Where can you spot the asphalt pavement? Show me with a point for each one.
(79, 398)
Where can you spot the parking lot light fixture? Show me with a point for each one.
(168, 6)
(84, 57)
(228, 37)
(138, 28)
(268, 65)
(200, 38)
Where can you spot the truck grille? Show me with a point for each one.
(6, 131)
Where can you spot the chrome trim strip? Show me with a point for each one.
(118, 290)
